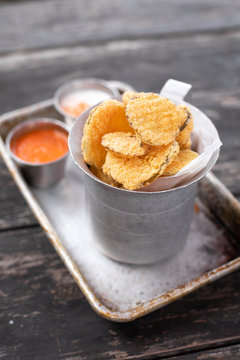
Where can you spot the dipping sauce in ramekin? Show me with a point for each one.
(76, 108)
(39, 147)
(76, 96)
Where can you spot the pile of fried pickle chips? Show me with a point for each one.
(130, 144)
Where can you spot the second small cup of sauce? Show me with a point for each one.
(39, 147)
(74, 97)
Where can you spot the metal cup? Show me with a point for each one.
(40, 175)
(131, 226)
(137, 227)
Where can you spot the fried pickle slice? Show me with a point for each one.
(136, 172)
(155, 119)
(124, 144)
(183, 158)
(184, 137)
(129, 95)
(103, 177)
(107, 117)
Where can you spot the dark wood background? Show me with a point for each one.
(43, 315)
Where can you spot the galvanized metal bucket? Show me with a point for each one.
(131, 226)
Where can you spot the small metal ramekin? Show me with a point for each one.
(81, 84)
(41, 175)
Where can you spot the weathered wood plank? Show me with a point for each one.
(224, 353)
(40, 304)
(29, 25)
(14, 211)
(209, 62)
(203, 60)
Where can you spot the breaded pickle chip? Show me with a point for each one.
(136, 172)
(183, 158)
(107, 117)
(129, 95)
(124, 144)
(155, 119)
(103, 177)
(184, 138)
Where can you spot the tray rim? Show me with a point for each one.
(109, 314)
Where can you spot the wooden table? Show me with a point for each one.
(43, 315)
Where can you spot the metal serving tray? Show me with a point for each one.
(121, 292)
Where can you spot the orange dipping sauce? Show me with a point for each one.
(76, 110)
(41, 145)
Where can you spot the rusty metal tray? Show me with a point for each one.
(121, 292)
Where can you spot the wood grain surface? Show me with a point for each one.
(225, 353)
(14, 212)
(41, 304)
(43, 315)
(58, 22)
